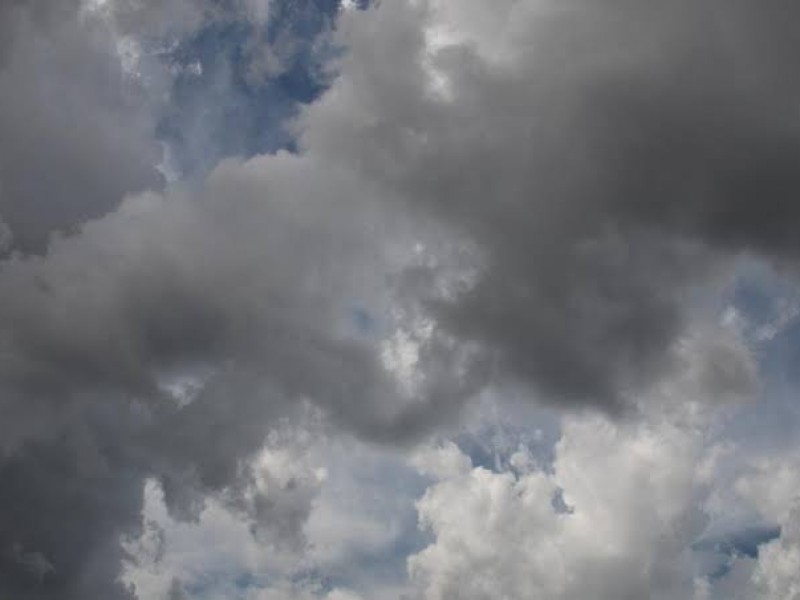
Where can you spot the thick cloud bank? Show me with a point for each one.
(76, 135)
(599, 155)
(526, 194)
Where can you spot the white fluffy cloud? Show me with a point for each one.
(772, 487)
(617, 514)
(632, 498)
(336, 510)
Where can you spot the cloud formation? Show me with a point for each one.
(547, 195)
(76, 131)
(614, 516)
(165, 341)
(602, 157)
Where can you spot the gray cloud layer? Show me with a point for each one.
(599, 154)
(592, 164)
(76, 134)
(194, 286)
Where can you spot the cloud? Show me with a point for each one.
(533, 194)
(76, 134)
(193, 285)
(602, 158)
(660, 505)
(241, 538)
(769, 485)
(775, 575)
(360, 516)
(614, 516)
(626, 510)
(163, 339)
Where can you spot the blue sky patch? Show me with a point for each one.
(238, 84)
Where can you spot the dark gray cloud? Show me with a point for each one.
(77, 134)
(94, 329)
(244, 288)
(74, 138)
(602, 157)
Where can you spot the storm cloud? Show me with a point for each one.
(603, 157)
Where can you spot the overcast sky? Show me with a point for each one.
(399, 300)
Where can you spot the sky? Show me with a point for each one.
(399, 300)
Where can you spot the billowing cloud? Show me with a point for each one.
(76, 131)
(356, 501)
(622, 512)
(614, 516)
(602, 157)
(529, 195)
(166, 339)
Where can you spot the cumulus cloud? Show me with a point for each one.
(656, 506)
(614, 516)
(251, 532)
(196, 285)
(769, 485)
(602, 157)
(357, 502)
(545, 195)
(76, 131)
